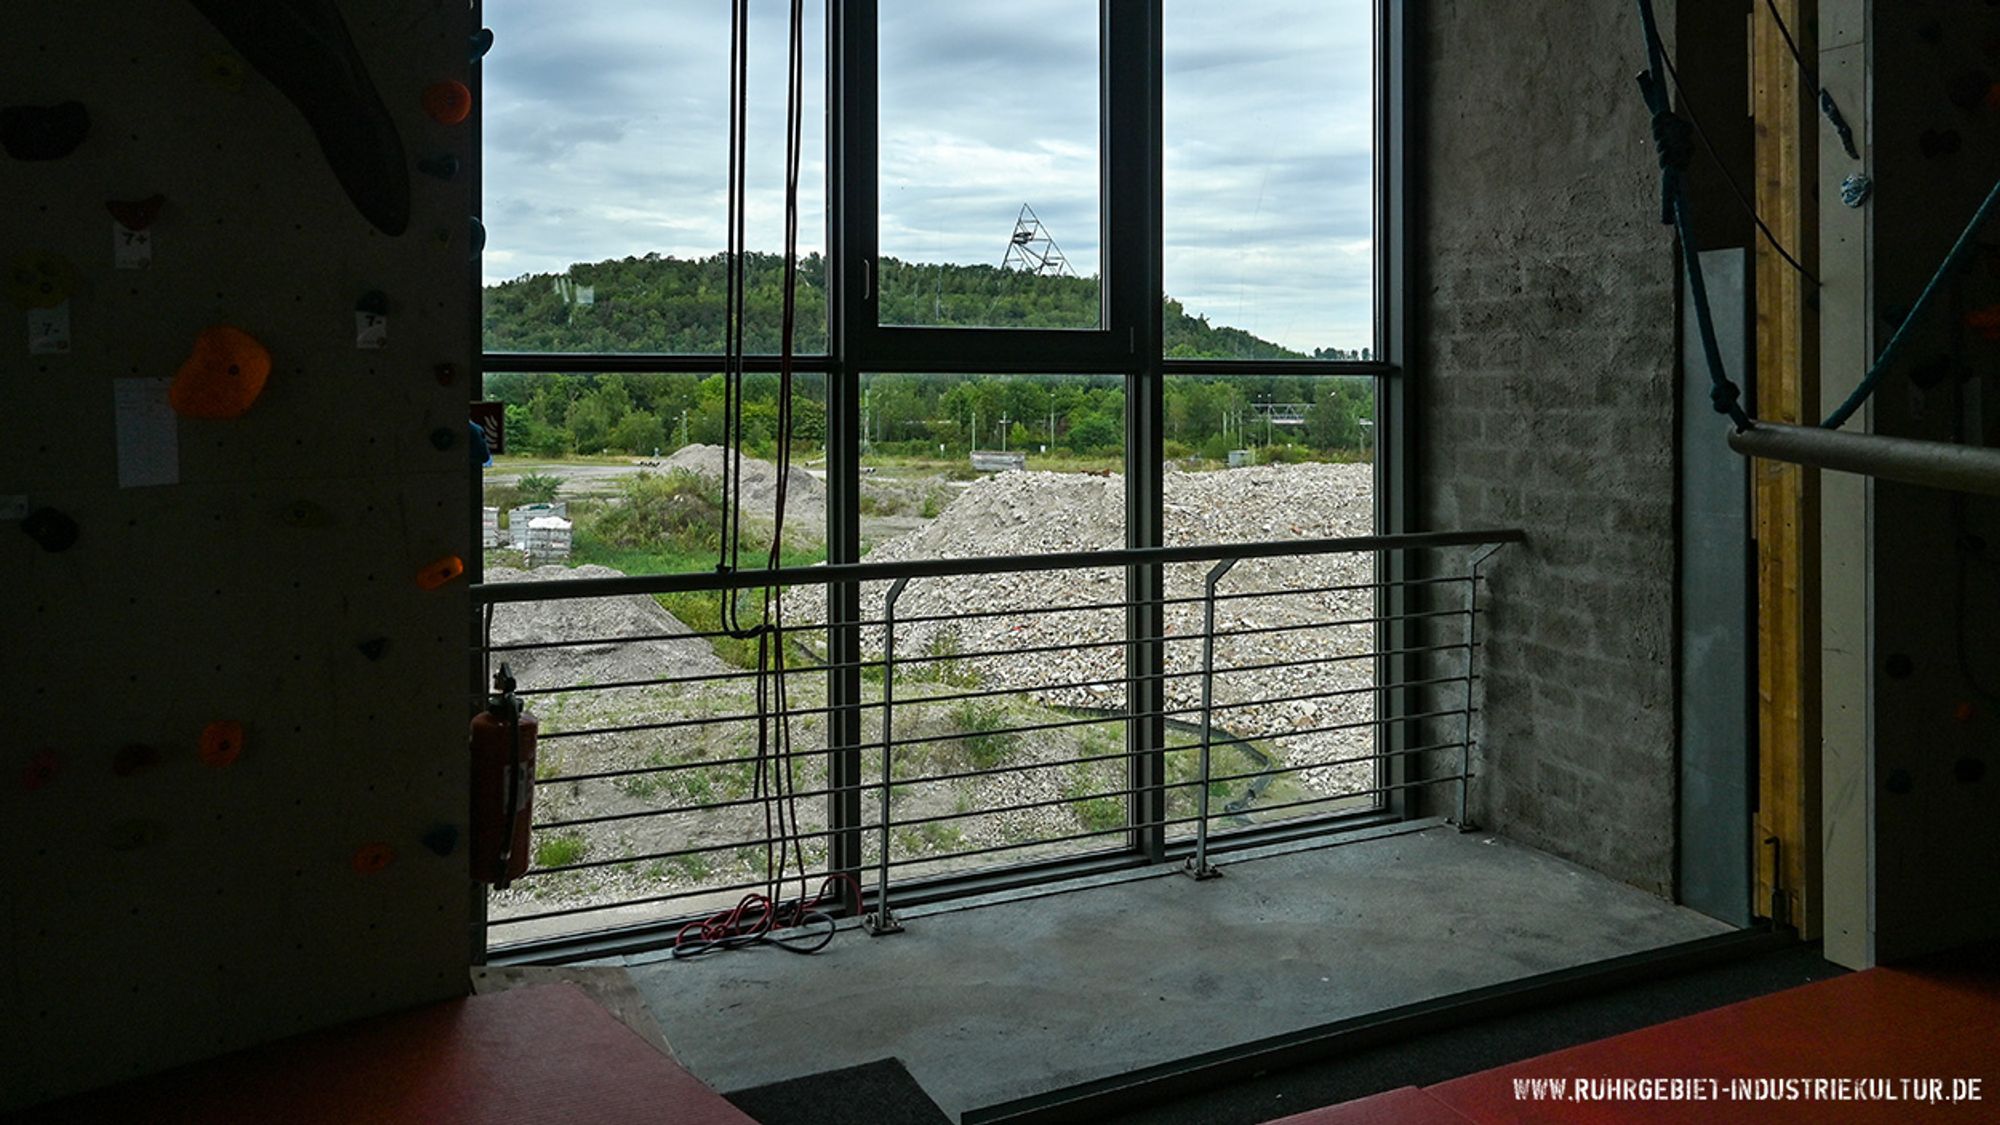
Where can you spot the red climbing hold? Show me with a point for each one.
(136, 214)
(371, 858)
(221, 743)
(1985, 321)
(448, 103)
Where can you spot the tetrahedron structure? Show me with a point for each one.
(1032, 250)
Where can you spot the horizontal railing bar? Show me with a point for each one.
(1189, 783)
(704, 763)
(1169, 822)
(1166, 713)
(1123, 755)
(932, 779)
(1336, 693)
(705, 849)
(1280, 735)
(1053, 802)
(666, 681)
(712, 677)
(500, 592)
(674, 767)
(1345, 623)
(1191, 599)
(681, 724)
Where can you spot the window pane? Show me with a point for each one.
(989, 164)
(606, 142)
(633, 462)
(621, 474)
(1005, 683)
(1267, 177)
(1272, 458)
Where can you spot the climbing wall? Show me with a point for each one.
(1935, 584)
(233, 799)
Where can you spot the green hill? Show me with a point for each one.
(675, 305)
(672, 305)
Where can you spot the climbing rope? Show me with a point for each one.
(1673, 141)
(1827, 106)
(1670, 139)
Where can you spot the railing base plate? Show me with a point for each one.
(881, 924)
(1200, 871)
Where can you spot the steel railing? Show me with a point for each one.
(1332, 694)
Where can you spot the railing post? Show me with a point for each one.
(1464, 818)
(1197, 865)
(882, 920)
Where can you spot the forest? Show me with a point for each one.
(675, 306)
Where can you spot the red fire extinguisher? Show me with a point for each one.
(503, 784)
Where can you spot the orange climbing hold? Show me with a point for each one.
(448, 103)
(371, 858)
(221, 743)
(222, 377)
(440, 572)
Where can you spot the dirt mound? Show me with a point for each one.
(805, 494)
(1074, 657)
(669, 652)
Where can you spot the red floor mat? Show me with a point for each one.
(1875, 1029)
(528, 1055)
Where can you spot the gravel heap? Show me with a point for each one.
(805, 494)
(1061, 657)
(578, 618)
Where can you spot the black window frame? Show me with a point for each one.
(1128, 344)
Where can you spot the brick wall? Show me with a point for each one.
(1545, 387)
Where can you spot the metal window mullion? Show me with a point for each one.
(1396, 491)
(843, 463)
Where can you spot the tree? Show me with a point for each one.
(638, 432)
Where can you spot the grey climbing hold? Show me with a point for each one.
(1856, 189)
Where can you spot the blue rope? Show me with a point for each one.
(1671, 140)
(1958, 252)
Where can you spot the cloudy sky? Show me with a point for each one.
(606, 131)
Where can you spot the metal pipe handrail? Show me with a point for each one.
(493, 593)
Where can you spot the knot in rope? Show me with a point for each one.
(1726, 397)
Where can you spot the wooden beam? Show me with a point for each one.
(1785, 497)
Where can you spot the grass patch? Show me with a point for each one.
(559, 851)
(982, 732)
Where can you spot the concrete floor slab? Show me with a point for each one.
(1006, 1000)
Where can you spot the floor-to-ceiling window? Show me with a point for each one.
(1073, 275)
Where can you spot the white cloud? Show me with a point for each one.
(606, 136)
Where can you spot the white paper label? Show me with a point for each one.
(148, 433)
(371, 330)
(48, 330)
(130, 249)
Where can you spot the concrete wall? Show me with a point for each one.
(1545, 383)
(177, 910)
